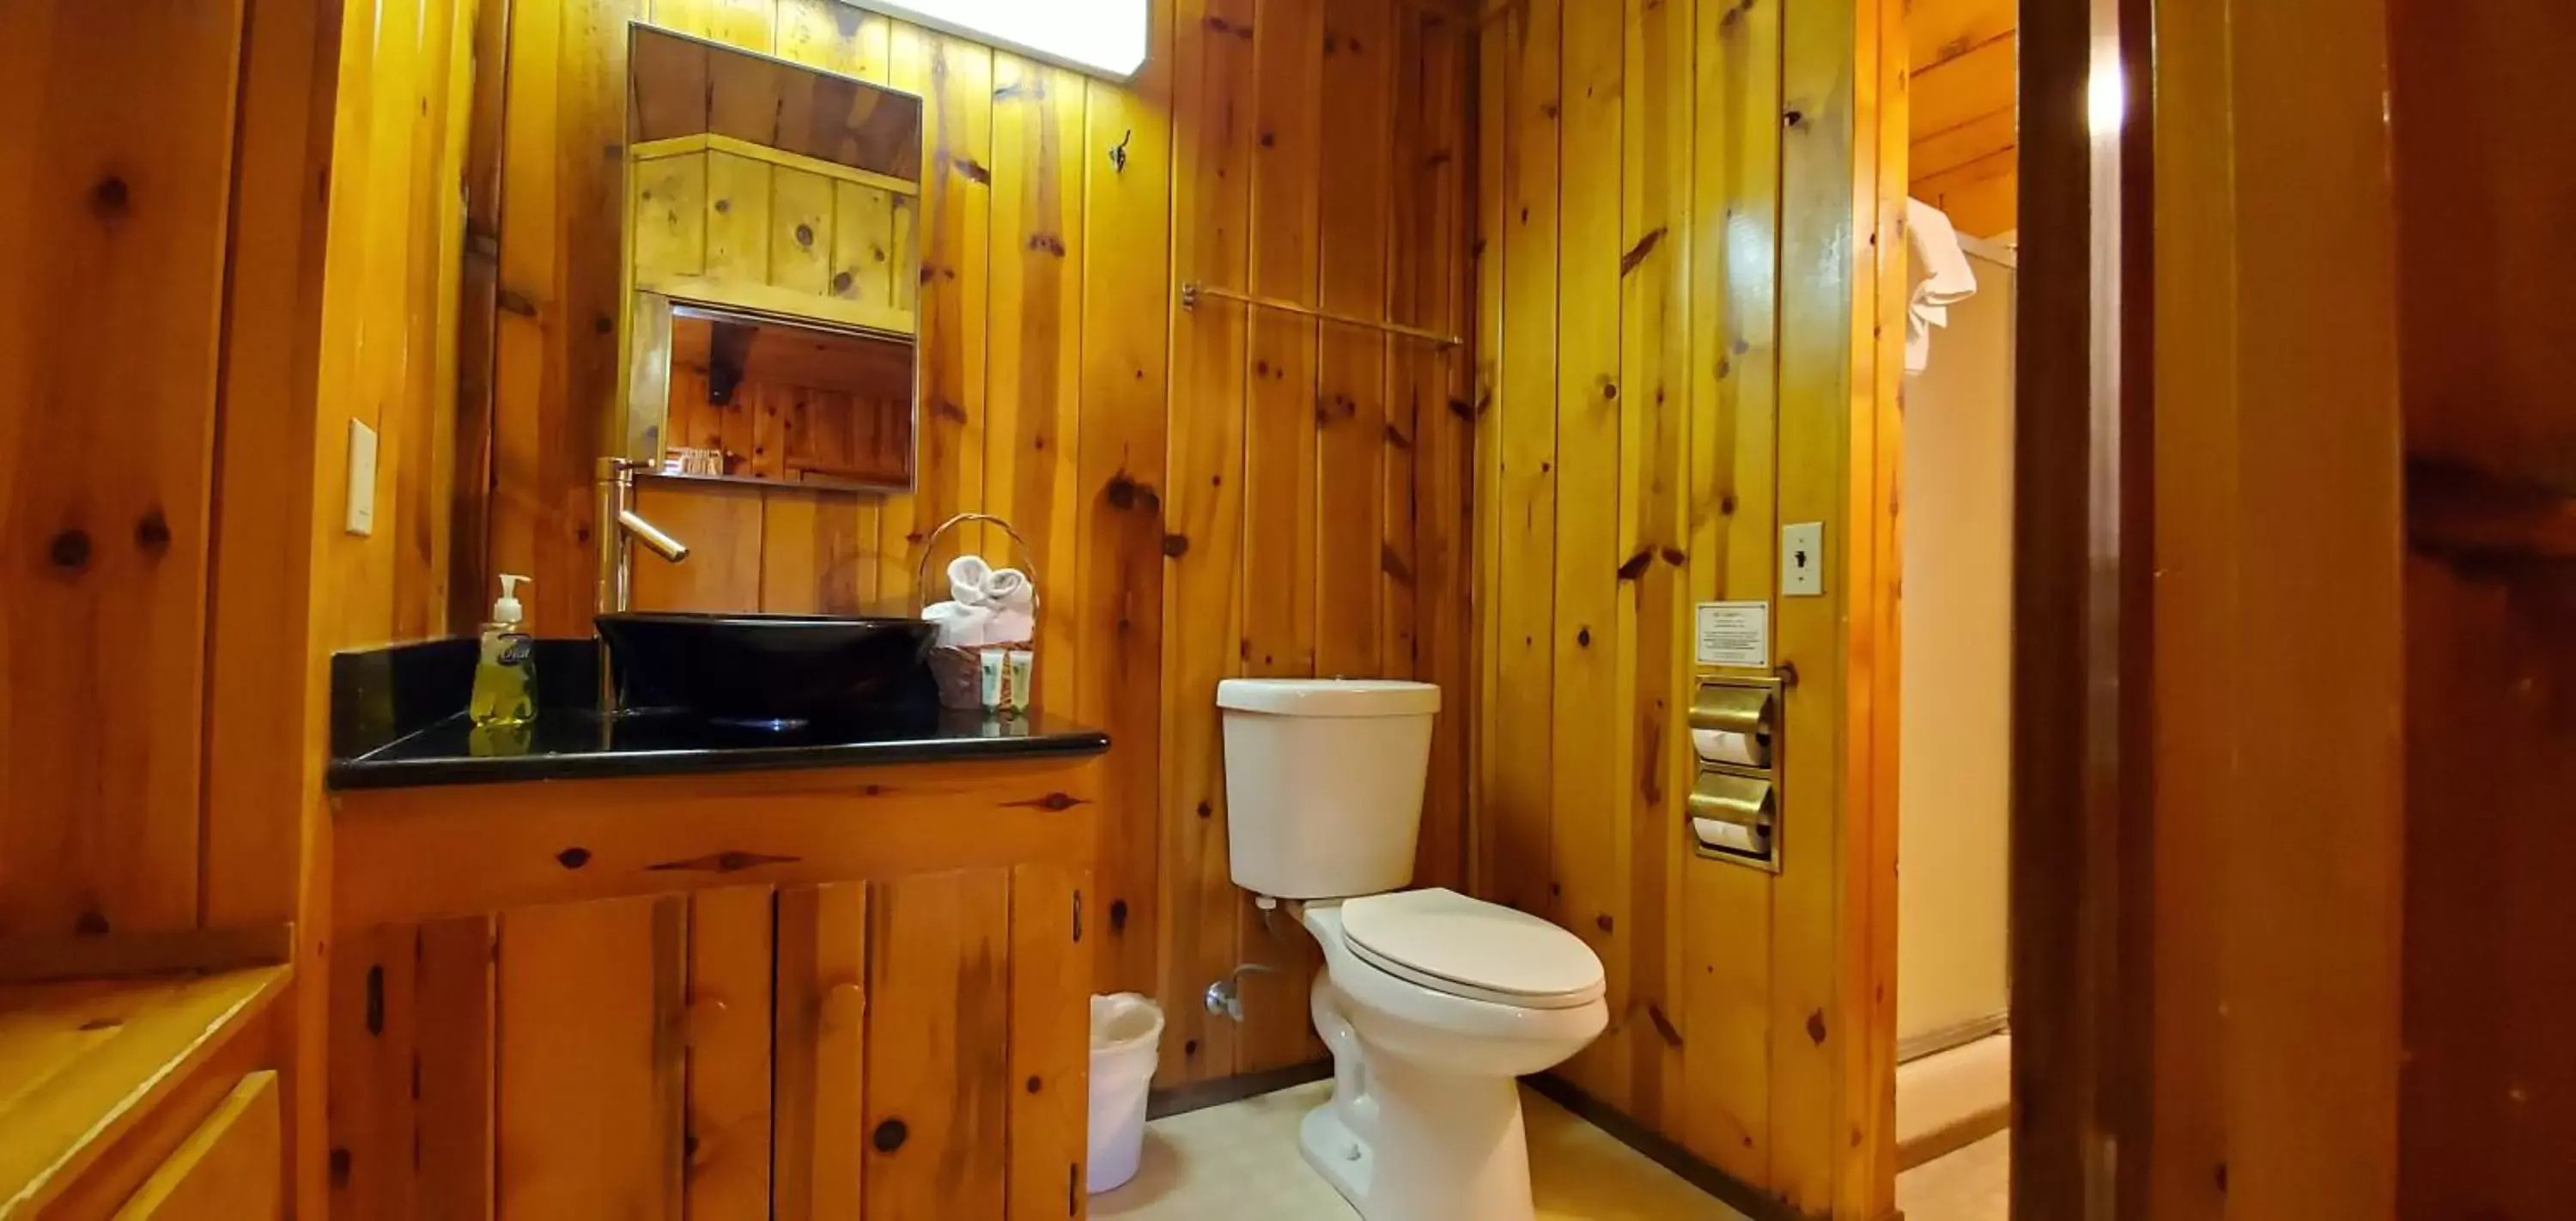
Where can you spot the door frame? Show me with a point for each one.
(2207, 802)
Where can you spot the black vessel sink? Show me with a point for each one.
(766, 667)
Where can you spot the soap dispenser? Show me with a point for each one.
(505, 674)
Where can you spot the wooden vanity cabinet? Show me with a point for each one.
(908, 1045)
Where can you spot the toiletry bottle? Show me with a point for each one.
(505, 675)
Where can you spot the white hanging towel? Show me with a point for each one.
(1946, 281)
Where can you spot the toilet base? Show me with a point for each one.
(1342, 1158)
(1459, 1152)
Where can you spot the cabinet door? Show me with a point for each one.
(933, 1047)
(229, 1169)
(906, 1048)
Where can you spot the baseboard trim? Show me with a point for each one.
(1934, 1042)
(1199, 1095)
(1665, 1152)
(1942, 1142)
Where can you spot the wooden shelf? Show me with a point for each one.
(84, 1064)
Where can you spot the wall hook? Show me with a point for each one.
(1118, 155)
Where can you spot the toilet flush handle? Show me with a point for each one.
(1225, 996)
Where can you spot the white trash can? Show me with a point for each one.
(1126, 1040)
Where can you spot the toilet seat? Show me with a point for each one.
(1458, 946)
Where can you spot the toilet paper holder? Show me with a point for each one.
(1744, 711)
(1733, 814)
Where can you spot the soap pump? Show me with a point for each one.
(505, 673)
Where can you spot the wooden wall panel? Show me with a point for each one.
(1965, 113)
(1358, 122)
(956, 215)
(113, 230)
(1039, 256)
(1588, 881)
(1652, 665)
(188, 357)
(1677, 365)
(1431, 436)
(1519, 504)
(1203, 624)
(1118, 567)
(2487, 1088)
(1284, 425)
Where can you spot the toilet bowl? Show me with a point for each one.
(1432, 1002)
(1425, 1119)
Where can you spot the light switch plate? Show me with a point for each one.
(1802, 560)
(362, 479)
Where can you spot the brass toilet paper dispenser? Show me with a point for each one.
(1731, 722)
(1734, 804)
(1734, 816)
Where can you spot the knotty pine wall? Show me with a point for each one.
(1207, 494)
(2487, 1085)
(1679, 204)
(1966, 125)
(225, 242)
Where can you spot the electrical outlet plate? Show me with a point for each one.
(1802, 560)
(362, 480)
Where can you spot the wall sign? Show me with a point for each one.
(1734, 634)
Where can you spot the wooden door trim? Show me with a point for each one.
(2081, 804)
(2207, 795)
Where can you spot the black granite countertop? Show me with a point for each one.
(568, 744)
(397, 722)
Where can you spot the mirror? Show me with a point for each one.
(772, 268)
(743, 397)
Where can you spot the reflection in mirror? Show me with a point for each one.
(772, 269)
(720, 394)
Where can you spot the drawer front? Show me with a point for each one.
(229, 1169)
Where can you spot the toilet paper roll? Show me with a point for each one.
(1725, 746)
(1733, 836)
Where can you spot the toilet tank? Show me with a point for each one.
(1323, 783)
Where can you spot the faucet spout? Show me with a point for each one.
(652, 536)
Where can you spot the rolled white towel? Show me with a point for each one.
(1010, 627)
(967, 576)
(960, 627)
(1010, 589)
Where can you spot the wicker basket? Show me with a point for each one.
(958, 669)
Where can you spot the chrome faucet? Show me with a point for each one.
(617, 521)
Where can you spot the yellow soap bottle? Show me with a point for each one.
(505, 675)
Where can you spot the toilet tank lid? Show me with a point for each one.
(1328, 697)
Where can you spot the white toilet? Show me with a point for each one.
(1432, 1002)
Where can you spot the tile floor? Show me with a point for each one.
(1240, 1162)
(1973, 1184)
(1949, 1090)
